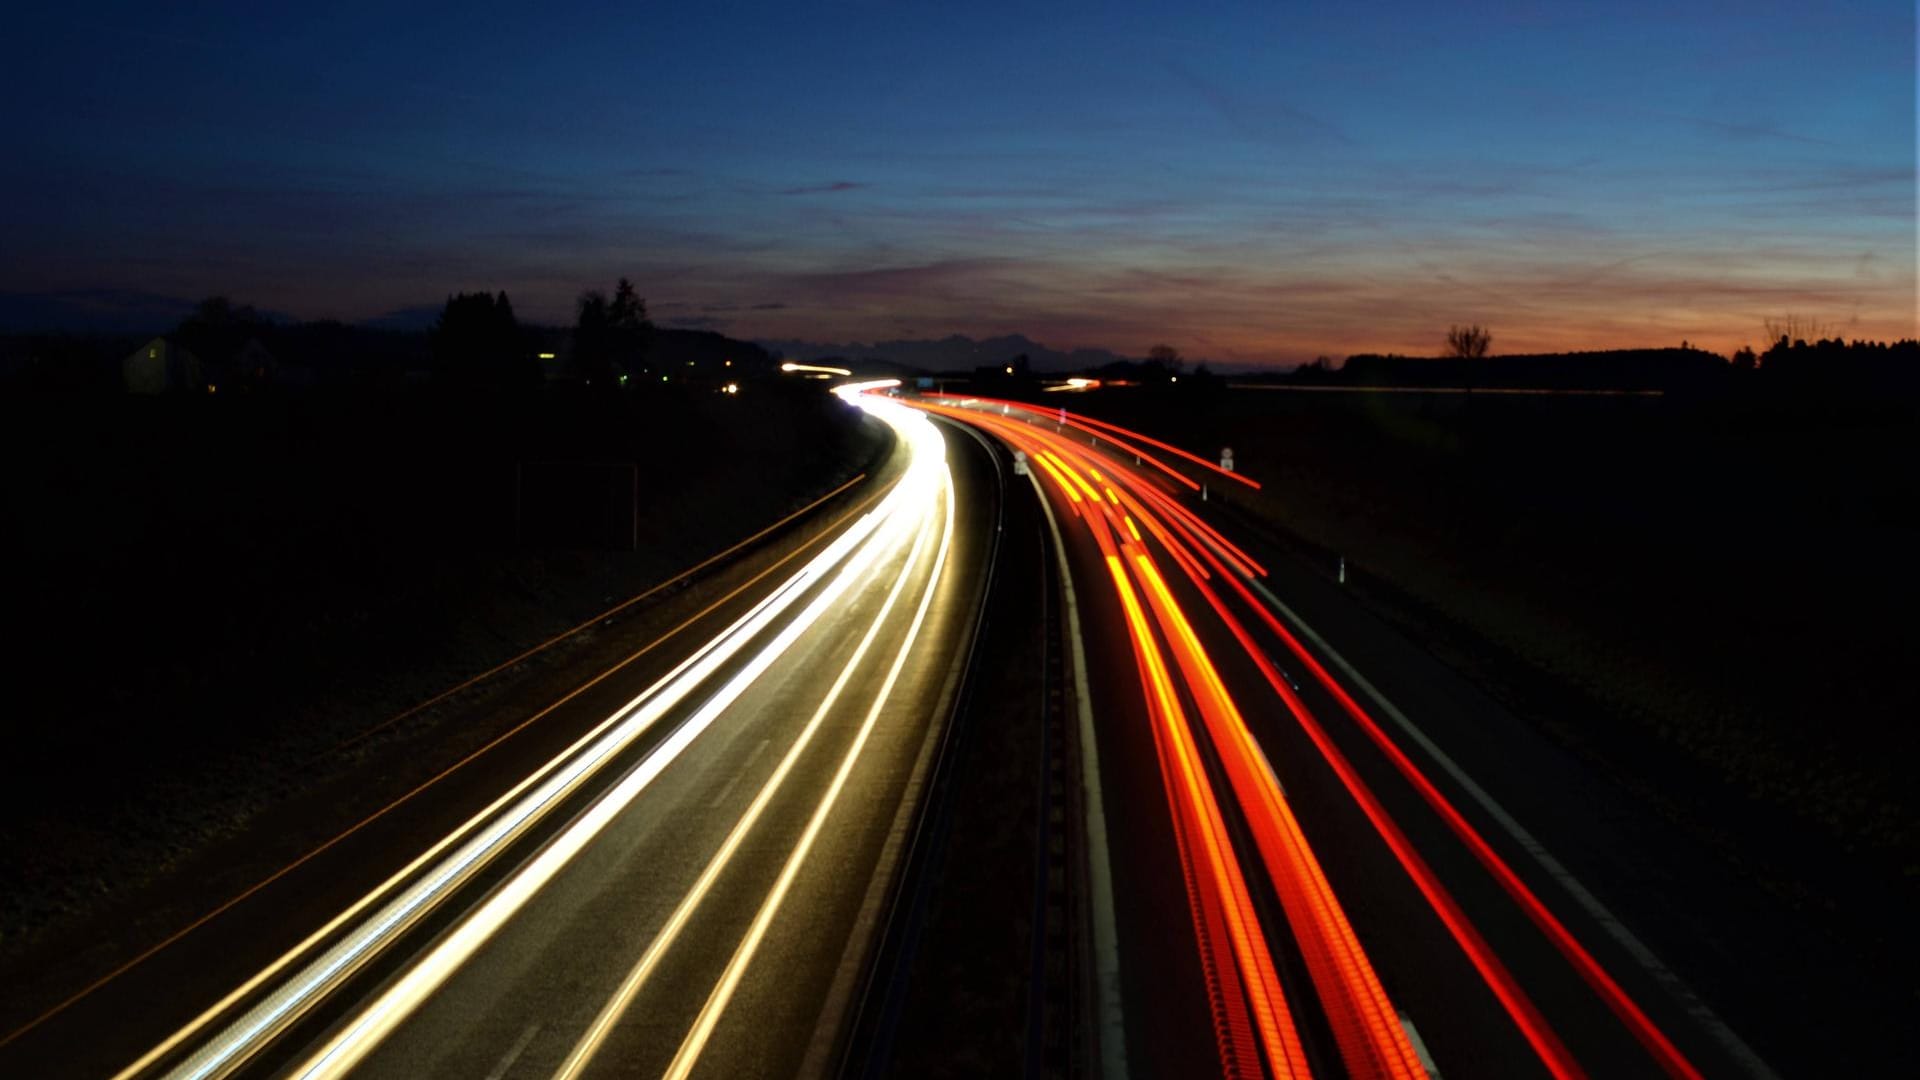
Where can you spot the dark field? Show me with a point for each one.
(207, 595)
(1683, 589)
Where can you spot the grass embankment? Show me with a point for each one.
(1728, 579)
(210, 595)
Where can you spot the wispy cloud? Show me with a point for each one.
(1746, 130)
(1264, 119)
(823, 189)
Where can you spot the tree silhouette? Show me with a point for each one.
(1163, 363)
(1468, 342)
(216, 331)
(477, 343)
(220, 312)
(593, 346)
(610, 337)
(1791, 328)
(628, 331)
(1834, 366)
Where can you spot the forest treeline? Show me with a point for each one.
(475, 343)
(1827, 366)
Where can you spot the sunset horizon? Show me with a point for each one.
(1257, 186)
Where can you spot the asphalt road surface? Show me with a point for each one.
(1484, 951)
(689, 886)
(1291, 845)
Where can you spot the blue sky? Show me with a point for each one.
(1248, 181)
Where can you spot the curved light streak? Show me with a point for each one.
(384, 913)
(813, 369)
(1365, 1026)
(590, 1042)
(1198, 549)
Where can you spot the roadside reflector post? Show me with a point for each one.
(1203, 493)
(1343, 569)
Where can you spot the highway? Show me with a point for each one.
(688, 886)
(694, 865)
(1304, 880)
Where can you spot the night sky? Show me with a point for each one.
(1247, 181)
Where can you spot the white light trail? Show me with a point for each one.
(616, 1006)
(820, 369)
(696, 1040)
(486, 834)
(401, 998)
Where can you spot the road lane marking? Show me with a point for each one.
(739, 771)
(1420, 1047)
(725, 790)
(513, 1052)
(1649, 962)
(1106, 934)
(696, 1039)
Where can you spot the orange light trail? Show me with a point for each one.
(1520, 1009)
(1092, 493)
(1232, 942)
(1221, 902)
(1513, 1000)
(1195, 546)
(1255, 961)
(1368, 1031)
(1047, 446)
(1648, 1034)
(1102, 429)
(1073, 421)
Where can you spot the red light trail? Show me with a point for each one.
(1123, 508)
